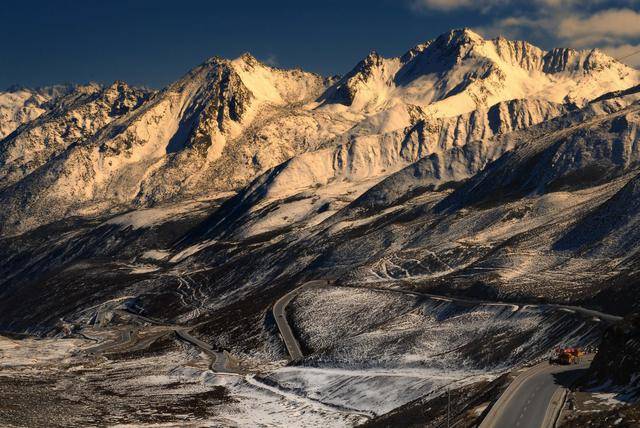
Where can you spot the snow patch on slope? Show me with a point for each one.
(150, 217)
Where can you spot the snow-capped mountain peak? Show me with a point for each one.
(228, 120)
(457, 41)
(460, 71)
(274, 85)
(19, 104)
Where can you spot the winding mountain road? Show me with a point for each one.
(588, 313)
(221, 361)
(126, 338)
(279, 313)
(293, 346)
(535, 398)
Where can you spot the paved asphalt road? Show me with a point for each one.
(535, 398)
(588, 313)
(280, 315)
(293, 347)
(220, 361)
(126, 338)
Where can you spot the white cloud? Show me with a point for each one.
(486, 5)
(611, 25)
(622, 23)
(625, 53)
(272, 60)
(519, 27)
(443, 4)
(615, 31)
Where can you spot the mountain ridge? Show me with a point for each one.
(227, 121)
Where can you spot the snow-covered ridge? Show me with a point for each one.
(159, 148)
(71, 118)
(578, 153)
(276, 85)
(227, 121)
(446, 139)
(20, 105)
(460, 71)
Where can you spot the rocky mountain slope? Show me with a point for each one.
(539, 222)
(226, 122)
(487, 202)
(70, 119)
(20, 105)
(501, 178)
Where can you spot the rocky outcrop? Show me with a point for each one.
(20, 105)
(71, 119)
(617, 362)
(228, 121)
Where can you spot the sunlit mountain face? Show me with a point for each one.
(253, 245)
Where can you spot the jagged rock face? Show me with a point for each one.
(501, 118)
(70, 119)
(584, 154)
(460, 71)
(192, 113)
(459, 146)
(345, 91)
(21, 105)
(248, 126)
(226, 122)
(618, 359)
(161, 148)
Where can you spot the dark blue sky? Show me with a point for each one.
(152, 43)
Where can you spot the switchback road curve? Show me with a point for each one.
(279, 313)
(535, 398)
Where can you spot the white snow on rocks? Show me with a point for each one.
(146, 218)
(375, 350)
(225, 122)
(20, 105)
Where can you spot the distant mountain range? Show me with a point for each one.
(480, 167)
(95, 151)
(466, 209)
